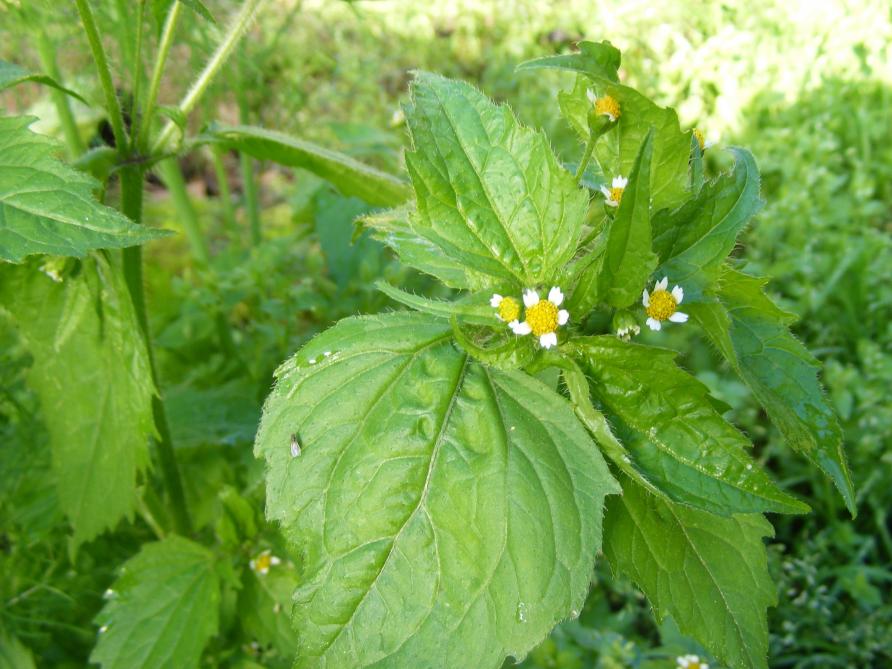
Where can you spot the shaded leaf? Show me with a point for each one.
(674, 435)
(709, 573)
(448, 514)
(752, 334)
(47, 207)
(490, 193)
(161, 610)
(91, 372)
(694, 240)
(348, 175)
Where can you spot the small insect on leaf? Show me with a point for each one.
(295, 446)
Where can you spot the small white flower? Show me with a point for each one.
(702, 141)
(627, 333)
(507, 308)
(542, 317)
(614, 195)
(604, 106)
(263, 562)
(661, 305)
(690, 662)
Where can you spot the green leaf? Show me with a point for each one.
(91, 372)
(694, 240)
(349, 176)
(752, 334)
(47, 207)
(617, 150)
(449, 514)
(490, 193)
(709, 573)
(628, 259)
(13, 75)
(161, 610)
(393, 229)
(14, 654)
(674, 435)
(348, 257)
(598, 59)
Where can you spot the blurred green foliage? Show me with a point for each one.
(806, 86)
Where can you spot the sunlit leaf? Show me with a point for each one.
(91, 372)
(598, 59)
(447, 513)
(12, 75)
(162, 609)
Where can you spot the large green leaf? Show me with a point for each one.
(12, 75)
(490, 193)
(617, 149)
(628, 259)
(598, 59)
(674, 435)
(448, 514)
(348, 175)
(709, 573)
(91, 372)
(161, 610)
(694, 240)
(47, 207)
(753, 335)
(13, 654)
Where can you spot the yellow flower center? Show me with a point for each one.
(542, 317)
(607, 106)
(616, 194)
(701, 140)
(662, 305)
(262, 562)
(509, 309)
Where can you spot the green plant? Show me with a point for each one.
(430, 471)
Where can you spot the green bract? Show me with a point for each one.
(447, 504)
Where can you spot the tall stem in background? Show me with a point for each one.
(236, 29)
(47, 53)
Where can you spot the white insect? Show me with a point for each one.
(295, 446)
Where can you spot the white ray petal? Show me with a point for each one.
(521, 328)
(679, 317)
(548, 340)
(653, 324)
(530, 297)
(678, 294)
(645, 298)
(662, 283)
(555, 296)
(495, 300)
(620, 182)
(563, 317)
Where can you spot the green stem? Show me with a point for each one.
(113, 106)
(137, 72)
(249, 188)
(47, 53)
(131, 206)
(236, 29)
(176, 186)
(586, 157)
(225, 194)
(167, 33)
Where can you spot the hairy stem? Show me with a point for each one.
(47, 53)
(131, 206)
(586, 157)
(167, 33)
(113, 106)
(237, 28)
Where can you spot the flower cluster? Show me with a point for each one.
(690, 662)
(541, 319)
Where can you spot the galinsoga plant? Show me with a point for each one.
(449, 495)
